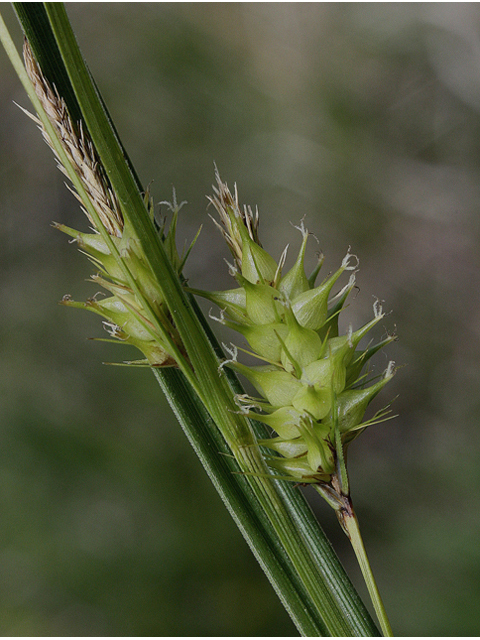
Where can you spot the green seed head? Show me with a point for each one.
(314, 390)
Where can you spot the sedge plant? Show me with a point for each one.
(312, 385)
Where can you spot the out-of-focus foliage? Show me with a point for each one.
(366, 119)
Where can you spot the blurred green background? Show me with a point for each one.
(365, 118)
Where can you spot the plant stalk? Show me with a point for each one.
(349, 522)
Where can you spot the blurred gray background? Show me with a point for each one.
(365, 118)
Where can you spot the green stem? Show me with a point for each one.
(350, 523)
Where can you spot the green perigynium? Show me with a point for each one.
(313, 393)
(135, 315)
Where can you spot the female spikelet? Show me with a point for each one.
(313, 392)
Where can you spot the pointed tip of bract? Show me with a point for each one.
(295, 281)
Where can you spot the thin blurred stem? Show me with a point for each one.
(351, 527)
(342, 504)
